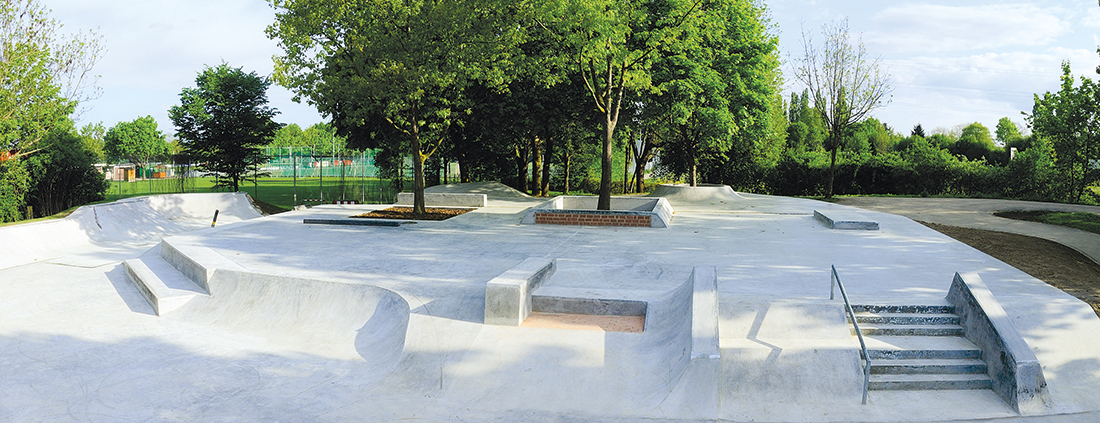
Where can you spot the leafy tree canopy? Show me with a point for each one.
(138, 142)
(223, 121)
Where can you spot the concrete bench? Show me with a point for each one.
(508, 296)
(445, 199)
(840, 219)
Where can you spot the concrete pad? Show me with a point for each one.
(81, 343)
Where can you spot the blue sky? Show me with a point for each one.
(951, 62)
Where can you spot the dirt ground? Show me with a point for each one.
(1051, 262)
(431, 213)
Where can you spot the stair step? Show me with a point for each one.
(907, 382)
(923, 309)
(920, 347)
(910, 330)
(906, 318)
(164, 287)
(929, 366)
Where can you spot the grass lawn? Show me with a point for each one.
(1084, 221)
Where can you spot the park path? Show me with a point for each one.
(977, 213)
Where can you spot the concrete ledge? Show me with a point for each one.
(836, 219)
(156, 292)
(508, 296)
(196, 262)
(353, 222)
(1016, 372)
(589, 306)
(704, 313)
(445, 199)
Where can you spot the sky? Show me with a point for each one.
(951, 62)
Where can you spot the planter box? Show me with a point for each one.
(581, 211)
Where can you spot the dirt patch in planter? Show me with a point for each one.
(406, 213)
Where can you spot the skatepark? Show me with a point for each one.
(139, 310)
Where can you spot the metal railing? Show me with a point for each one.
(851, 314)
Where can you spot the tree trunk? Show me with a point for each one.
(832, 171)
(418, 175)
(693, 173)
(565, 190)
(463, 169)
(604, 202)
(521, 162)
(544, 190)
(536, 167)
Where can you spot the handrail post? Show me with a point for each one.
(862, 345)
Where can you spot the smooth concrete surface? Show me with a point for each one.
(1016, 373)
(977, 213)
(79, 343)
(122, 227)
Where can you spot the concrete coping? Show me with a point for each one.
(842, 219)
(354, 222)
(508, 296)
(588, 306)
(657, 209)
(1016, 372)
(445, 199)
(704, 313)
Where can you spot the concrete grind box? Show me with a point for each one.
(581, 211)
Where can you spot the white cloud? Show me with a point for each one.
(928, 28)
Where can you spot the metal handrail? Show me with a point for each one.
(862, 345)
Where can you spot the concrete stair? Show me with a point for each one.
(164, 287)
(919, 348)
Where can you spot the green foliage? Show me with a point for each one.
(320, 137)
(1007, 132)
(14, 184)
(223, 122)
(1068, 119)
(45, 74)
(975, 144)
(62, 175)
(1078, 220)
(92, 134)
(138, 142)
(394, 72)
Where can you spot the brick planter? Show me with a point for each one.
(581, 211)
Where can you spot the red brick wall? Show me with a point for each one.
(581, 219)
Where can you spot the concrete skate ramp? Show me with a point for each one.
(139, 219)
(490, 189)
(329, 319)
(702, 193)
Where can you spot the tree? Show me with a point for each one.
(1007, 132)
(975, 143)
(1068, 119)
(918, 131)
(223, 122)
(45, 74)
(394, 72)
(138, 142)
(612, 44)
(845, 84)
